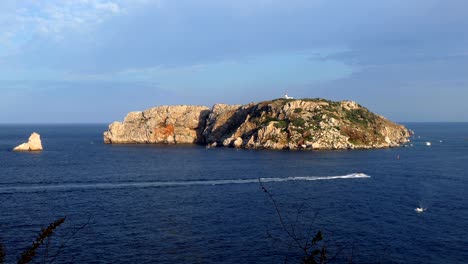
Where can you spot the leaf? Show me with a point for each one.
(316, 252)
(2, 254)
(318, 237)
(309, 260)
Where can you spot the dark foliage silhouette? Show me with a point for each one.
(45, 233)
(42, 245)
(311, 245)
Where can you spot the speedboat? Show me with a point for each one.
(420, 210)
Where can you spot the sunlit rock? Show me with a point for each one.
(34, 144)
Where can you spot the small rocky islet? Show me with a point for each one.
(34, 144)
(277, 124)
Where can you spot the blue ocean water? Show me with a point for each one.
(167, 204)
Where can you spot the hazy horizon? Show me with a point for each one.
(93, 61)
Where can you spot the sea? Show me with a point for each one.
(192, 204)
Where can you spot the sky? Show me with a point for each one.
(93, 61)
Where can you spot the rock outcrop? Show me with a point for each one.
(34, 144)
(165, 124)
(276, 124)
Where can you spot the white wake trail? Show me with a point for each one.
(312, 178)
(76, 186)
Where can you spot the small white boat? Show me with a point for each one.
(428, 144)
(420, 210)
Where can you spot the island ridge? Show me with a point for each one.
(276, 124)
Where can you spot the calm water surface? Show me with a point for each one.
(166, 204)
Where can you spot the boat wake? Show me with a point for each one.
(312, 178)
(75, 186)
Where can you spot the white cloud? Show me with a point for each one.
(57, 16)
(109, 6)
(21, 21)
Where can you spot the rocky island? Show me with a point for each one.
(34, 144)
(277, 124)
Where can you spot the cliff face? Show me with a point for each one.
(165, 124)
(277, 124)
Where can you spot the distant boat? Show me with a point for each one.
(428, 144)
(420, 210)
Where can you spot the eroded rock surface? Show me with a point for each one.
(276, 124)
(34, 144)
(164, 124)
